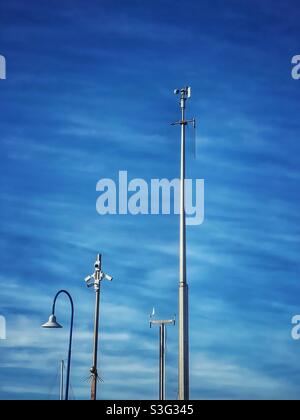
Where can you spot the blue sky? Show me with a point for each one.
(88, 93)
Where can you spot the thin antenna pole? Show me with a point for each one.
(61, 388)
(183, 286)
(183, 324)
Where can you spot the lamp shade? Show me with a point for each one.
(52, 323)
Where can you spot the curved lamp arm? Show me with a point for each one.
(70, 298)
(71, 336)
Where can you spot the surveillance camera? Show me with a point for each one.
(97, 265)
(89, 280)
(176, 92)
(107, 277)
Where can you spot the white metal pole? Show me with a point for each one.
(94, 280)
(183, 377)
(94, 369)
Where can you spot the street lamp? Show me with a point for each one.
(52, 323)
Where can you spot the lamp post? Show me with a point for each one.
(52, 323)
(61, 385)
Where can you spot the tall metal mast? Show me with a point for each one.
(162, 353)
(94, 281)
(183, 363)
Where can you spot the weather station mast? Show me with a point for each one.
(183, 313)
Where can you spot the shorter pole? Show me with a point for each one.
(162, 363)
(162, 353)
